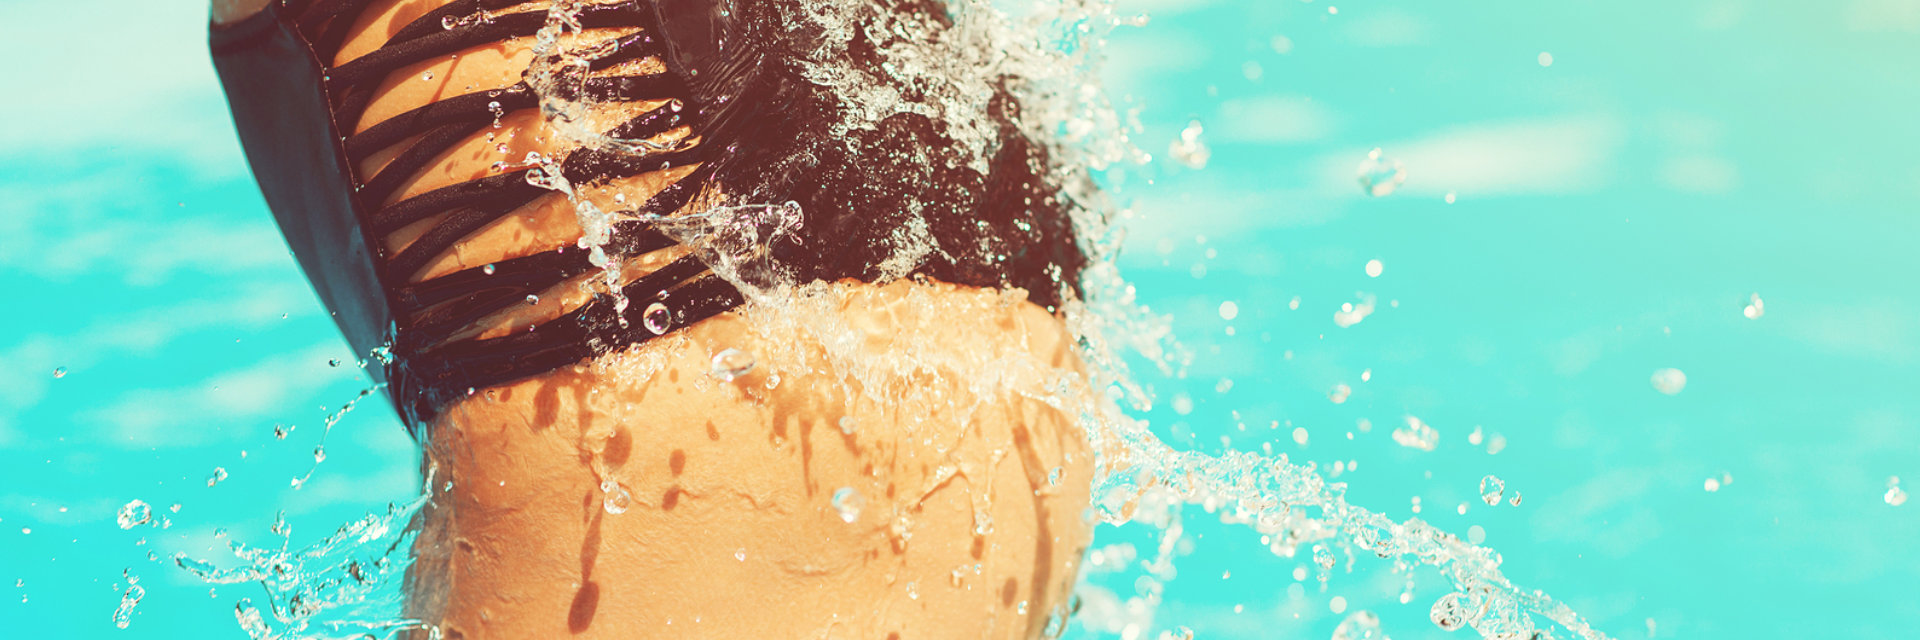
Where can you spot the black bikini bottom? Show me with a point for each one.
(762, 133)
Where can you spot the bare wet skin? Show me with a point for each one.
(972, 505)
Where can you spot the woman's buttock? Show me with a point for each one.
(858, 464)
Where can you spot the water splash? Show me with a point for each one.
(1380, 175)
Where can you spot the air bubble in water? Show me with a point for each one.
(1492, 488)
(59, 372)
(1189, 149)
(219, 474)
(134, 514)
(1755, 308)
(1448, 612)
(730, 364)
(617, 499)
(1669, 381)
(1380, 175)
(657, 318)
(1895, 496)
(1359, 625)
(1417, 435)
(1375, 267)
(1340, 393)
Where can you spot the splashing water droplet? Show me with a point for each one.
(657, 318)
(1895, 496)
(1375, 268)
(1322, 556)
(123, 615)
(1380, 175)
(1712, 485)
(1755, 308)
(1189, 149)
(847, 503)
(730, 364)
(1359, 625)
(1448, 612)
(1417, 435)
(134, 514)
(1669, 381)
(1492, 488)
(1516, 499)
(1340, 393)
(219, 474)
(59, 372)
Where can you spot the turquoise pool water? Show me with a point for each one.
(1625, 177)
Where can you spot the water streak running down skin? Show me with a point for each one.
(348, 584)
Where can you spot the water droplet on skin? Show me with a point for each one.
(134, 514)
(730, 364)
(1053, 477)
(1492, 488)
(1189, 149)
(219, 474)
(428, 76)
(1755, 308)
(657, 318)
(532, 299)
(1669, 381)
(1021, 608)
(848, 425)
(617, 499)
(1380, 175)
(740, 555)
(489, 269)
(59, 372)
(847, 503)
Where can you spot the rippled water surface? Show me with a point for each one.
(1620, 290)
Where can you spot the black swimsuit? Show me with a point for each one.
(762, 134)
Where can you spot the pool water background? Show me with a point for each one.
(1613, 212)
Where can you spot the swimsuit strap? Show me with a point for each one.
(428, 369)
